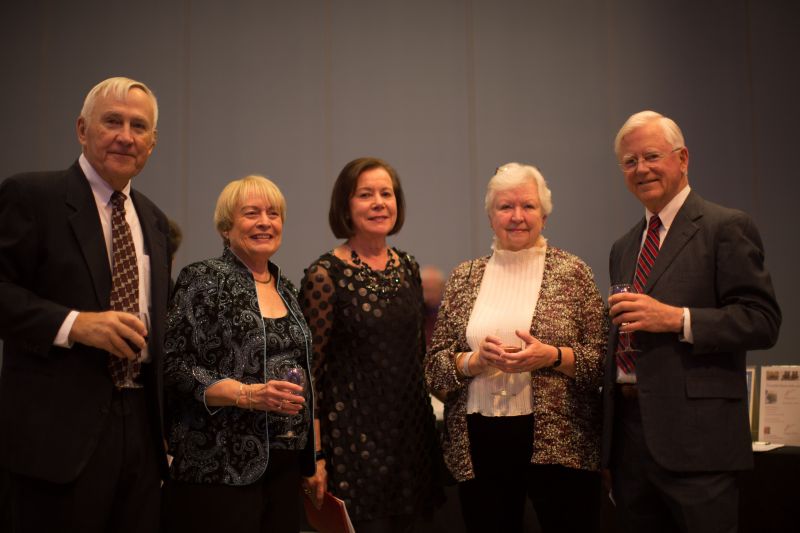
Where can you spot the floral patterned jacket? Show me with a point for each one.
(215, 331)
(567, 411)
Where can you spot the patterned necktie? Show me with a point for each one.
(626, 360)
(124, 280)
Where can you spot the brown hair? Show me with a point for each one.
(345, 187)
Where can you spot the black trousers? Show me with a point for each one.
(270, 505)
(117, 491)
(565, 499)
(396, 524)
(652, 499)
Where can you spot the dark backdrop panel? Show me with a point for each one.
(445, 91)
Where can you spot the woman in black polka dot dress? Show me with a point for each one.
(363, 302)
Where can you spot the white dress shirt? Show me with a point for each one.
(102, 192)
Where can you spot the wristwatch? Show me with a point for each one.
(320, 454)
(557, 363)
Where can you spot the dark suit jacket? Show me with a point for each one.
(693, 397)
(53, 258)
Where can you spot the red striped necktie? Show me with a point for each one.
(626, 360)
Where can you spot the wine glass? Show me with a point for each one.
(625, 338)
(293, 373)
(132, 366)
(511, 344)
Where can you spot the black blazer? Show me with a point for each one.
(53, 258)
(693, 397)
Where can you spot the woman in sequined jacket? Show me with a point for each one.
(239, 429)
(516, 357)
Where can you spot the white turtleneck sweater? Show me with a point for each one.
(506, 302)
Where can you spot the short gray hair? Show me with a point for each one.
(513, 175)
(119, 88)
(672, 133)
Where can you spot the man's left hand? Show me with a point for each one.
(640, 312)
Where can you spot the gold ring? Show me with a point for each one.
(280, 406)
(307, 491)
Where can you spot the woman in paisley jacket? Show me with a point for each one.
(240, 433)
(516, 357)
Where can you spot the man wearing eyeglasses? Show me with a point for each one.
(676, 428)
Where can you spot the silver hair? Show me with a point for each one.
(672, 133)
(119, 88)
(513, 175)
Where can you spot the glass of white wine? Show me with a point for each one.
(511, 344)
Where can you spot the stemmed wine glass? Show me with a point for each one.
(293, 373)
(132, 365)
(511, 344)
(625, 338)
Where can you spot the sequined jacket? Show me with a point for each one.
(567, 411)
(215, 331)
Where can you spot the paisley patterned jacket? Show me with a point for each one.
(214, 332)
(567, 411)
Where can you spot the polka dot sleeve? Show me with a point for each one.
(317, 300)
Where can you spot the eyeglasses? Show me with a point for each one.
(629, 163)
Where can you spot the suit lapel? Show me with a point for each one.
(155, 247)
(85, 224)
(155, 244)
(683, 228)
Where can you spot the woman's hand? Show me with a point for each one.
(490, 354)
(534, 356)
(315, 486)
(281, 397)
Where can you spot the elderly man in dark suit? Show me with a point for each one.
(676, 425)
(84, 261)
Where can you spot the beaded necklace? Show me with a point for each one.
(385, 283)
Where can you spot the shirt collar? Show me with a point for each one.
(526, 254)
(100, 187)
(667, 215)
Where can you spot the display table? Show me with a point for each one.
(769, 494)
(769, 497)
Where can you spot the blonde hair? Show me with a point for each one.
(237, 191)
(119, 88)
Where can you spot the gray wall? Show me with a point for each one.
(445, 90)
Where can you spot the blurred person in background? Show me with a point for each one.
(432, 292)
